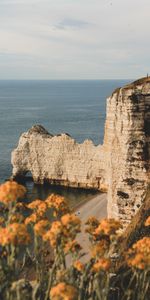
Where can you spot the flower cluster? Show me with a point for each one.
(54, 234)
(41, 227)
(66, 228)
(63, 291)
(71, 225)
(58, 204)
(78, 266)
(72, 247)
(92, 223)
(38, 206)
(100, 248)
(139, 255)
(107, 227)
(31, 219)
(11, 191)
(103, 264)
(15, 234)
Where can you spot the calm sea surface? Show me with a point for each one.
(74, 107)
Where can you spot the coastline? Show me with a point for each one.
(96, 207)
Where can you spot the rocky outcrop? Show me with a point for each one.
(127, 148)
(59, 160)
(122, 164)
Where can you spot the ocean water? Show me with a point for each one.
(75, 107)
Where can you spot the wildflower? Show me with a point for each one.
(147, 222)
(71, 225)
(78, 266)
(63, 291)
(72, 246)
(31, 219)
(41, 210)
(54, 233)
(40, 227)
(38, 206)
(142, 245)
(92, 221)
(137, 261)
(58, 203)
(103, 264)
(100, 248)
(107, 227)
(11, 191)
(15, 234)
(139, 255)
(34, 204)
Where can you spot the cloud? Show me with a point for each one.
(74, 39)
(72, 23)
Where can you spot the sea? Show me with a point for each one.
(77, 107)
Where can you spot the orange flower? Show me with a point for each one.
(78, 266)
(15, 234)
(100, 248)
(137, 261)
(103, 264)
(34, 204)
(58, 203)
(107, 227)
(63, 291)
(147, 222)
(92, 221)
(142, 245)
(11, 191)
(54, 233)
(31, 219)
(38, 206)
(41, 210)
(40, 227)
(72, 246)
(139, 255)
(71, 225)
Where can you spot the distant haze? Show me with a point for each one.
(74, 39)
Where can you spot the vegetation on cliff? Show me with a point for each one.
(41, 259)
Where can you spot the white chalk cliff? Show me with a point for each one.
(121, 165)
(59, 160)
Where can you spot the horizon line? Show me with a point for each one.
(66, 79)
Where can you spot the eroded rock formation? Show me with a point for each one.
(59, 160)
(122, 163)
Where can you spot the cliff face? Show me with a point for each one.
(59, 160)
(122, 163)
(127, 148)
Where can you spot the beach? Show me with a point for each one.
(96, 207)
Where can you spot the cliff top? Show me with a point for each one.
(38, 129)
(133, 84)
(140, 81)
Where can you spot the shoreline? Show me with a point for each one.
(84, 202)
(97, 207)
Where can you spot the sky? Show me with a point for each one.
(74, 39)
